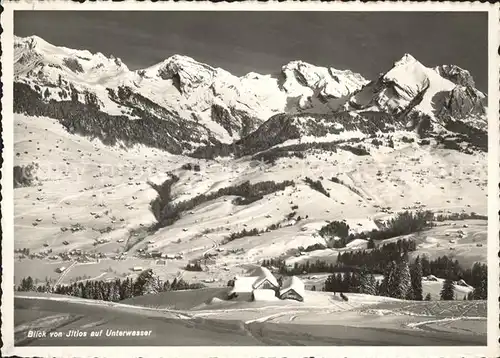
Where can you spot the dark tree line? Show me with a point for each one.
(354, 270)
(194, 266)
(378, 258)
(189, 166)
(355, 150)
(400, 281)
(404, 223)
(318, 186)
(374, 260)
(404, 281)
(164, 196)
(146, 283)
(460, 216)
(155, 127)
(167, 213)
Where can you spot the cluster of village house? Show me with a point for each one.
(261, 285)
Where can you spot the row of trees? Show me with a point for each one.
(377, 260)
(374, 260)
(146, 283)
(407, 222)
(360, 150)
(401, 280)
(460, 216)
(316, 185)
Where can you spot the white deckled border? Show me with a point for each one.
(492, 350)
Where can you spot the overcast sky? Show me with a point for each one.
(262, 42)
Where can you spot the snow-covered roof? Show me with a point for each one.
(243, 284)
(263, 274)
(293, 283)
(264, 295)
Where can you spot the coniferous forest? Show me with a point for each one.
(146, 283)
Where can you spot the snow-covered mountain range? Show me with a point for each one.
(184, 106)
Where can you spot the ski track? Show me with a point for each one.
(64, 273)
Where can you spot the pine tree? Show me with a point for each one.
(447, 292)
(99, 292)
(27, 284)
(404, 287)
(126, 289)
(78, 290)
(114, 291)
(147, 283)
(416, 280)
(367, 283)
(481, 288)
(173, 286)
(428, 297)
(346, 282)
(426, 266)
(391, 283)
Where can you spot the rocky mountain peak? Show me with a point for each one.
(328, 82)
(456, 75)
(185, 72)
(406, 60)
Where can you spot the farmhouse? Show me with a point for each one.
(265, 279)
(292, 289)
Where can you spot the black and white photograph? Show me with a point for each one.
(251, 178)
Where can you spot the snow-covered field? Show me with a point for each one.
(105, 188)
(458, 321)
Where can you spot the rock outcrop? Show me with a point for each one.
(456, 75)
